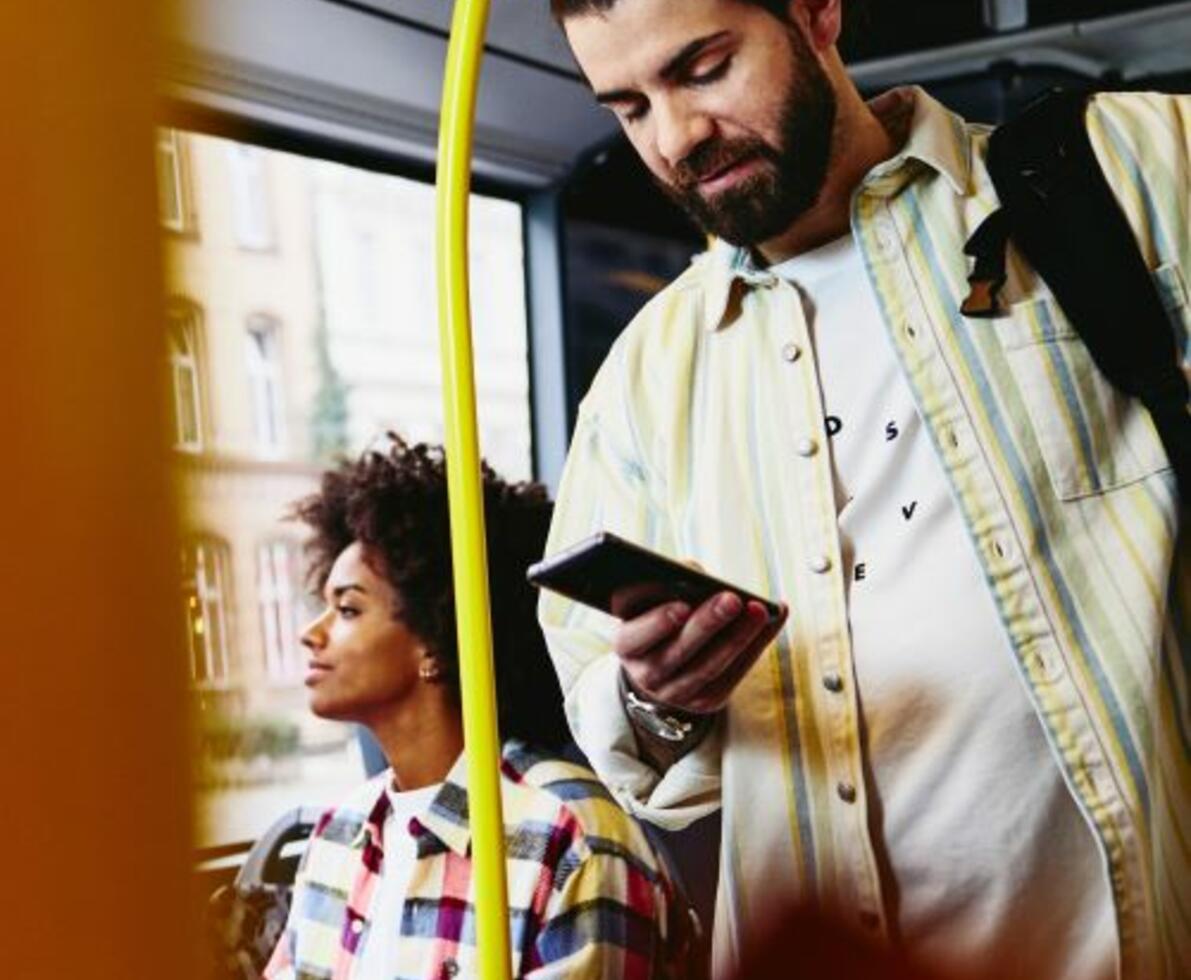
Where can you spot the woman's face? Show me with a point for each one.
(363, 660)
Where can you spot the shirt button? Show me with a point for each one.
(819, 564)
(833, 682)
(806, 447)
(791, 352)
(846, 792)
(357, 925)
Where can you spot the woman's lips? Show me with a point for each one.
(315, 672)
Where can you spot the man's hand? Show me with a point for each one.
(693, 659)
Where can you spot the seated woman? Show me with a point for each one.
(385, 887)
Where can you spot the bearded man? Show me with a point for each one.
(970, 735)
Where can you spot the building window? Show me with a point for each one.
(250, 196)
(171, 184)
(184, 379)
(264, 379)
(204, 597)
(276, 583)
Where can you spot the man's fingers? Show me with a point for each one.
(715, 694)
(642, 634)
(720, 664)
(716, 634)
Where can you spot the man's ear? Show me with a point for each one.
(821, 20)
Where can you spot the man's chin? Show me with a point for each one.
(748, 231)
(744, 216)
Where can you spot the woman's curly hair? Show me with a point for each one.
(395, 505)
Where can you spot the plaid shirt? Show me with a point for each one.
(587, 895)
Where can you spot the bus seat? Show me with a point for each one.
(246, 918)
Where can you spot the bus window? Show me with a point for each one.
(301, 325)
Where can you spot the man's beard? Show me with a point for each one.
(790, 178)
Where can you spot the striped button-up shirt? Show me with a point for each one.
(587, 896)
(685, 443)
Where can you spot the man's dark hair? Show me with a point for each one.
(395, 505)
(564, 9)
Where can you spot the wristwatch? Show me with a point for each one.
(655, 719)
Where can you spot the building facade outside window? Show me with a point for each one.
(185, 384)
(277, 589)
(204, 596)
(248, 171)
(262, 351)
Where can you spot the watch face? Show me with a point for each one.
(649, 718)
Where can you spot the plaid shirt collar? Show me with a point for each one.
(445, 821)
(934, 137)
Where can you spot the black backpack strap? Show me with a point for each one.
(1063, 217)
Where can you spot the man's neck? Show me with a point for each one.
(861, 141)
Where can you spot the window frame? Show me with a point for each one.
(172, 156)
(253, 216)
(209, 590)
(265, 367)
(279, 606)
(186, 317)
(192, 118)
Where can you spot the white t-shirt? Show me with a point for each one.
(401, 856)
(982, 848)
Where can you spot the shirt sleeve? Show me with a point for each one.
(1143, 143)
(606, 922)
(610, 484)
(282, 964)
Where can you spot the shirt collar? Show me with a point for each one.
(934, 137)
(446, 818)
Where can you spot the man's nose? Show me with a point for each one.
(680, 127)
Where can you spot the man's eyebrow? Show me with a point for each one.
(673, 67)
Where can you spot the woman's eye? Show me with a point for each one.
(347, 612)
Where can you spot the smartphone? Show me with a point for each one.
(624, 579)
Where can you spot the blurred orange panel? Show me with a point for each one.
(96, 810)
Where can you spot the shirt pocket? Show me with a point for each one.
(1091, 437)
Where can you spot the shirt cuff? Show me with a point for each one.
(689, 789)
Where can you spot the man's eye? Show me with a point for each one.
(713, 74)
(632, 113)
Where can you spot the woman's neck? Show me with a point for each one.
(422, 742)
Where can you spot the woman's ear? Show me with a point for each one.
(821, 20)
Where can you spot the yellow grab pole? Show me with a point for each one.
(468, 547)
